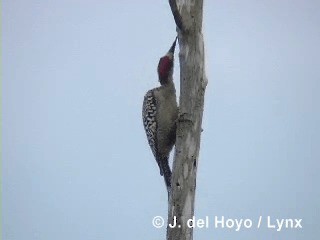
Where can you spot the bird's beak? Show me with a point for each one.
(171, 50)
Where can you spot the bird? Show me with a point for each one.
(160, 113)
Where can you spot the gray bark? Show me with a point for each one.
(193, 82)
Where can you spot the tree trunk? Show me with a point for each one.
(193, 82)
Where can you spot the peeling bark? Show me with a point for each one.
(193, 82)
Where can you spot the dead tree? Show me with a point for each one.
(188, 17)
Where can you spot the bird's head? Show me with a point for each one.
(165, 66)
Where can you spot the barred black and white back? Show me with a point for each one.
(149, 112)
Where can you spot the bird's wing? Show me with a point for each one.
(149, 120)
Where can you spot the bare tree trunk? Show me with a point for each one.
(193, 82)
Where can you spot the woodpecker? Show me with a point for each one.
(159, 115)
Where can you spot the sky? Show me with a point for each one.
(75, 159)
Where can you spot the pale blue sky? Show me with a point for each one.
(76, 165)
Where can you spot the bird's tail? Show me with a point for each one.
(166, 172)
